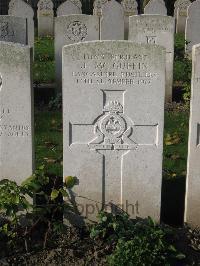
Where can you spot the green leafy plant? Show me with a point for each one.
(179, 46)
(187, 93)
(48, 204)
(13, 205)
(182, 67)
(12, 200)
(44, 49)
(111, 226)
(138, 242)
(141, 251)
(44, 72)
(44, 62)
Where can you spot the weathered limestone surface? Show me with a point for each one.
(113, 114)
(181, 14)
(69, 7)
(155, 7)
(72, 29)
(192, 213)
(45, 16)
(112, 21)
(13, 29)
(130, 9)
(192, 33)
(16, 120)
(97, 7)
(19, 8)
(156, 29)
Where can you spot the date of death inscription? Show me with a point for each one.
(120, 71)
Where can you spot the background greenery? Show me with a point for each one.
(44, 63)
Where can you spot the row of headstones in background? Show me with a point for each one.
(145, 29)
(180, 14)
(107, 23)
(72, 29)
(187, 18)
(156, 29)
(114, 16)
(112, 124)
(155, 7)
(45, 15)
(188, 21)
(69, 7)
(16, 113)
(19, 8)
(111, 18)
(109, 10)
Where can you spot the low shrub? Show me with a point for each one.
(22, 220)
(137, 242)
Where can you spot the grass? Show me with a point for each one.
(48, 141)
(175, 144)
(182, 65)
(44, 49)
(44, 63)
(43, 72)
(174, 167)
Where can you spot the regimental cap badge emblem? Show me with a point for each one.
(76, 31)
(112, 130)
(113, 125)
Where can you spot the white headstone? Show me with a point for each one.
(45, 16)
(176, 5)
(183, 4)
(97, 7)
(16, 121)
(155, 29)
(19, 8)
(13, 29)
(72, 29)
(192, 33)
(130, 9)
(112, 21)
(69, 7)
(113, 111)
(181, 15)
(192, 213)
(155, 7)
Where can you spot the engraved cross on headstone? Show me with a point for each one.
(113, 135)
